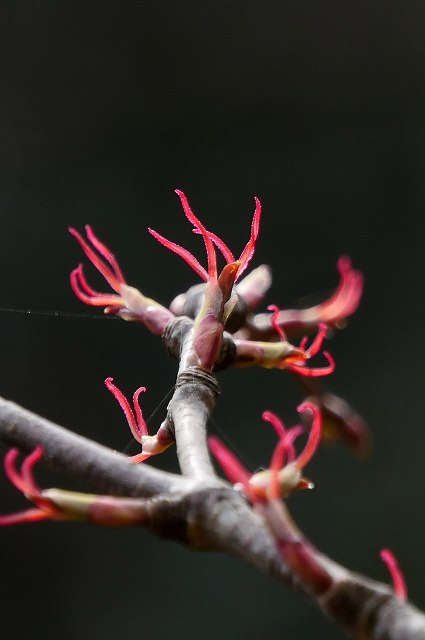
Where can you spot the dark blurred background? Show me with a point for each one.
(317, 108)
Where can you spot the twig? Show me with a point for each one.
(208, 514)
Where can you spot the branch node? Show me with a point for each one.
(196, 375)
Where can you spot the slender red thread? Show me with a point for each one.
(211, 241)
(314, 435)
(399, 582)
(24, 481)
(234, 470)
(105, 263)
(275, 324)
(133, 415)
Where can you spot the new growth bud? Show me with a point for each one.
(152, 445)
(127, 302)
(284, 474)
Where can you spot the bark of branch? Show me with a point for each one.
(208, 514)
(189, 409)
(107, 471)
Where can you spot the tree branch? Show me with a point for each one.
(209, 514)
(191, 405)
(106, 470)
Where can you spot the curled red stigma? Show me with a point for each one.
(106, 263)
(234, 470)
(346, 298)
(274, 320)
(134, 416)
(399, 582)
(24, 481)
(314, 435)
(210, 239)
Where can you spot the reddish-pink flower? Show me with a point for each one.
(127, 302)
(345, 300)
(24, 481)
(152, 445)
(218, 298)
(297, 364)
(333, 312)
(284, 474)
(105, 262)
(399, 582)
(210, 239)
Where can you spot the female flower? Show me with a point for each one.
(152, 445)
(219, 298)
(126, 301)
(284, 474)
